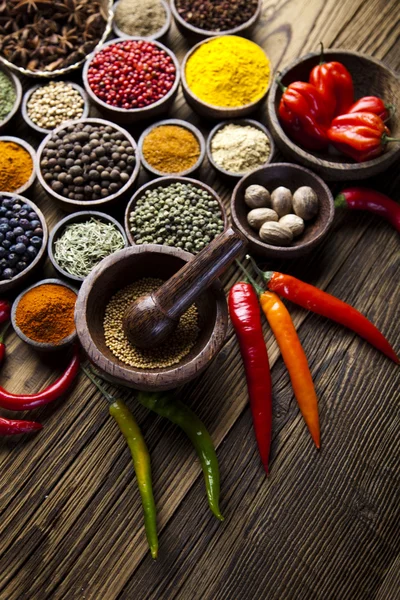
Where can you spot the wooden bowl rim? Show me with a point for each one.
(78, 217)
(209, 32)
(88, 203)
(157, 35)
(30, 149)
(251, 122)
(131, 111)
(284, 251)
(221, 110)
(311, 159)
(129, 374)
(28, 94)
(18, 94)
(44, 346)
(180, 123)
(163, 182)
(8, 284)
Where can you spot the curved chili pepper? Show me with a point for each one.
(175, 411)
(324, 304)
(5, 311)
(13, 427)
(245, 316)
(335, 83)
(360, 198)
(372, 104)
(52, 392)
(140, 458)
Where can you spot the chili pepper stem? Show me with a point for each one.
(340, 201)
(386, 139)
(101, 388)
(265, 275)
(322, 57)
(255, 285)
(280, 84)
(4, 331)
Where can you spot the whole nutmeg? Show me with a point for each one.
(257, 196)
(305, 202)
(275, 234)
(281, 201)
(295, 224)
(258, 216)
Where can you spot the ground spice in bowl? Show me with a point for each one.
(171, 149)
(141, 18)
(16, 166)
(50, 105)
(167, 354)
(8, 95)
(216, 15)
(240, 148)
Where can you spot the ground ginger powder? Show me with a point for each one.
(228, 71)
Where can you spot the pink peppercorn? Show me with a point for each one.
(131, 74)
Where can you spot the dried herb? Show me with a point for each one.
(45, 35)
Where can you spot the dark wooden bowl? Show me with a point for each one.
(41, 346)
(371, 78)
(18, 97)
(121, 269)
(159, 35)
(132, 115)
(28, 94)
(195, 34)
(217, 112)
(79, 217)
(229, 175)
(19, 280)
(164, 182)
(29, 148)
(196, 132)
(292, 177)
(74, 205)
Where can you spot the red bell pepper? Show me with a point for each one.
(335, 83)
(360, 198)
(372, 104)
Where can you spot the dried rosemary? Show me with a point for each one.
(83, 245)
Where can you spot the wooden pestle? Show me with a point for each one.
(149, 320)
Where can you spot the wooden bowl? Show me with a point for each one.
(24, 276)
(119, 270)
(42, 130)
(20, 142)
(196, 132)
(164, 182)
(371, 78)
(43, 347)
(292, 177)
(132, 115)
(74, 205)
(159, 35)
(18, 96)
(195, 34)
(79, 217)
(217, 112)
(229, 175)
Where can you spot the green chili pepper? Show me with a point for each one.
(141, 461)
(167, 406)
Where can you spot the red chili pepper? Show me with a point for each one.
(324, 304)
(12, 427)
(5, 311)
(244, 311)
(304, 115)
(360, 198)
(52, 392)
(372, 104)
(335, 83)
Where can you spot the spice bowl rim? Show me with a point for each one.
(221, 112)
(253, 123)
(207, 33)
(43, 346)
(131, 111)
(169, 180)
(57, 231)
(180, 123)
(282, 252)
(155, 36)
(18, 94)
(27, 146)
(42, 130)
(88, 203)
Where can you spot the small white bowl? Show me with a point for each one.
(29, 148)
(158, 35)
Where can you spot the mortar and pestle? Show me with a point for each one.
(151, 319)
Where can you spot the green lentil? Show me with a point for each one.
(180, 215)
(8, 95)
(167, 354)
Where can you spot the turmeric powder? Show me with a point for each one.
(16, 166)
(228, 71)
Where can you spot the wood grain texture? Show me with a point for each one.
(325, 525)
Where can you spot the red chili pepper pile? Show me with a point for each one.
(323, 112)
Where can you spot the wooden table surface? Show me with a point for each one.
(324, 525)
